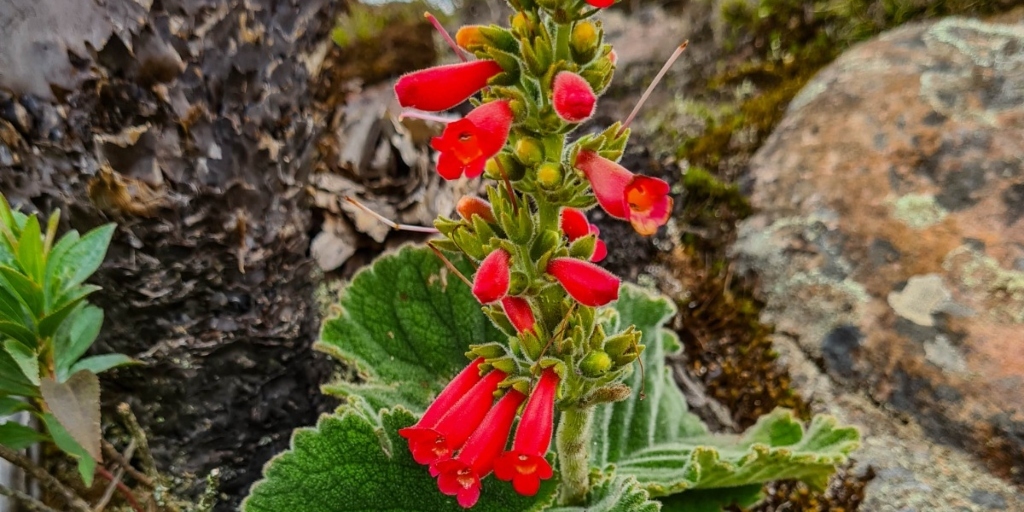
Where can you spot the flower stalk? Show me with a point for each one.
(573, 447)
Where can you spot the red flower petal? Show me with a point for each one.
(589, 284)
(492, 278)
(600, 251)
(519, 313)
(601, 4)
(609, 181)
(456, 478)
(572, 97)
(443, 87)
(533, 435)
(574, 223)
(468, 143)
(649, 204)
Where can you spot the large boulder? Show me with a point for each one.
(890, 235)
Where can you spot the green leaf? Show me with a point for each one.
(11, 309)
(615, 494)
(66, 442)
(30, 250)
(74, 295)
(83, 257)
(26, 359)
(669, 450)
(352, 462)
(27, 292)
(712, 500)
(52, 277)
(12, 380)
(10, 405)
(75, 336)
(76, 405)
(18, 332)
(100, 364)
(49, 324)
(17, 436)
(406, 324)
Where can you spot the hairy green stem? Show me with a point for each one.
(562, 33)
(573, 445)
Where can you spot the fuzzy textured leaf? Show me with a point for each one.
(355, 462)
(669, 450)
(83, 257)
(615, 493)
(406, 324)
(76, 334)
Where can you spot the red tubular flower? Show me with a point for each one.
(443, 87)
(573, 98)
(492, 278)
(575, 225)
(525, 464)
(643, 200)
(589, 284)
(601, 4)
(460, 477)
(433, 441)
(468, 143)
(519, 313)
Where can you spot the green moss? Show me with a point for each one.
(701, 184)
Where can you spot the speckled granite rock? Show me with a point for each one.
(890, 232)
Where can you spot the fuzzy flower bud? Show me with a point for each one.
(584, 41)
(589, 284)
(492, 278)
(471, 205)
(573, 98)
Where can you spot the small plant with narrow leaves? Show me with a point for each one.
(46, 327)
(503, 368)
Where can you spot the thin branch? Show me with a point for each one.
(115, 480)
(389, 222)
(111, 453)
(118, 474)
(45, 479)
(145, 456)
(654, 83)
(449, 264)
(27, 502)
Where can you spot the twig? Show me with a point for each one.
(449, 264)
(115, 481)
(145, 456)
(111, 453)
(27, 502)
(389, 222)
(45, 479)
(118, 474)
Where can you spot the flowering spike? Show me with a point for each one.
(589, 284)
(525, 464)
(468, 143)
(430, 444)
(443, 87)
(519, 313)
(460, 477)
(573, 98)
(492, 278)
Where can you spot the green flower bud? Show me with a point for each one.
(545, 242)
(583, 247)
(584, 41)
(608, 394)
(624, 347)
(549, 175)
(504, 162)
(529, 151)
(522, 24)
(505, 364)
(595, 364)
(488, 350)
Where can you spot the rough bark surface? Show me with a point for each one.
(188, 123)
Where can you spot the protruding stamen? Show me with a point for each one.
(426, 116)
(650, 88)
(447, 37)
(389, 222)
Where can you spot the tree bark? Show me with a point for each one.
(189, 123)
